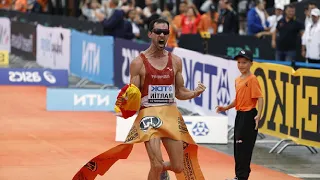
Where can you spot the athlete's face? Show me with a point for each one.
(159, 35)
(244, 65)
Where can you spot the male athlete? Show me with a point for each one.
(158, 75)
(156, 78)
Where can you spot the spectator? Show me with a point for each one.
(115, 24)
(154, 15)
(190, 21)
(209, 20)
(5, 4)
(132, 18)
(21, 5)
(257, 19)
(308, 19)
(172, 39)
(88, 10)
(228, 18)
(284, 39)
(311, 38)
(183, 7)
(274, 19)
(147, 11)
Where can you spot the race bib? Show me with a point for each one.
(161, 94)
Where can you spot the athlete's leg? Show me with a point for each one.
(155, 157)
(175, 152)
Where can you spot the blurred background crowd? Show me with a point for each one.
(128, 18)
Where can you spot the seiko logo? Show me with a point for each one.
(150, 121)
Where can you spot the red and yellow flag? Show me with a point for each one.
(128, 101)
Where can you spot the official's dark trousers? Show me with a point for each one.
(245, 137)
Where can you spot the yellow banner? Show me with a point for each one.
(4, 58)
(291, 102)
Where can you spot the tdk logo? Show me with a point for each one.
(161, 88)
(90, 58)
(223, 95)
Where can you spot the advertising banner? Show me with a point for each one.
(81, 99)
(5, 34)
(203, 129)
(124, 52)
(92, 57)
(217, 74)
(4, 58)
(291, 102)
(53, 47)
(33, 77)
(23, 40)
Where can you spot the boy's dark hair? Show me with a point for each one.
(158, 21)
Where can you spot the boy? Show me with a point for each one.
(248, 93)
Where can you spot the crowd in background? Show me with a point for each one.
(127, 19)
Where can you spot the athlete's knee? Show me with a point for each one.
(156, 167)
(177, 168)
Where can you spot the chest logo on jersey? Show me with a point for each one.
(161, 94)
(166, 76)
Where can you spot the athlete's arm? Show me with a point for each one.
(135, 68)
(182, 93)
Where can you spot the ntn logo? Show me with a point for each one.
(91, 100)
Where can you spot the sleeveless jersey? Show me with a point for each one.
(158, 87)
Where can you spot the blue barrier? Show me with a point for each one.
(81, 99)
(92, 57)
(34, 77)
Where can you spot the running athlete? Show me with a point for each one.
(156, 78)
(158, 75)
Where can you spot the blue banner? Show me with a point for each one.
(124, 52)
(92, 57)
(81, 99)
(34, 76)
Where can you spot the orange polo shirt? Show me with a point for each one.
(247, 93)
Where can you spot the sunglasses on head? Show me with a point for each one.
(159, 31)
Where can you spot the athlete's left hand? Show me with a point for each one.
(257, 119)
(201, 87)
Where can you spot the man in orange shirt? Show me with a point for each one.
(177, 19)
(5, 4)
(209, 21)
(248, 93)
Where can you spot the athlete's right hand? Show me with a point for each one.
(221, 109)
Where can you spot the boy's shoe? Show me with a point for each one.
(165, 175)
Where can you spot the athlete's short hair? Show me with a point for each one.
(158, 21)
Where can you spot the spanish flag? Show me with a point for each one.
(128, 101)
(151, 122)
